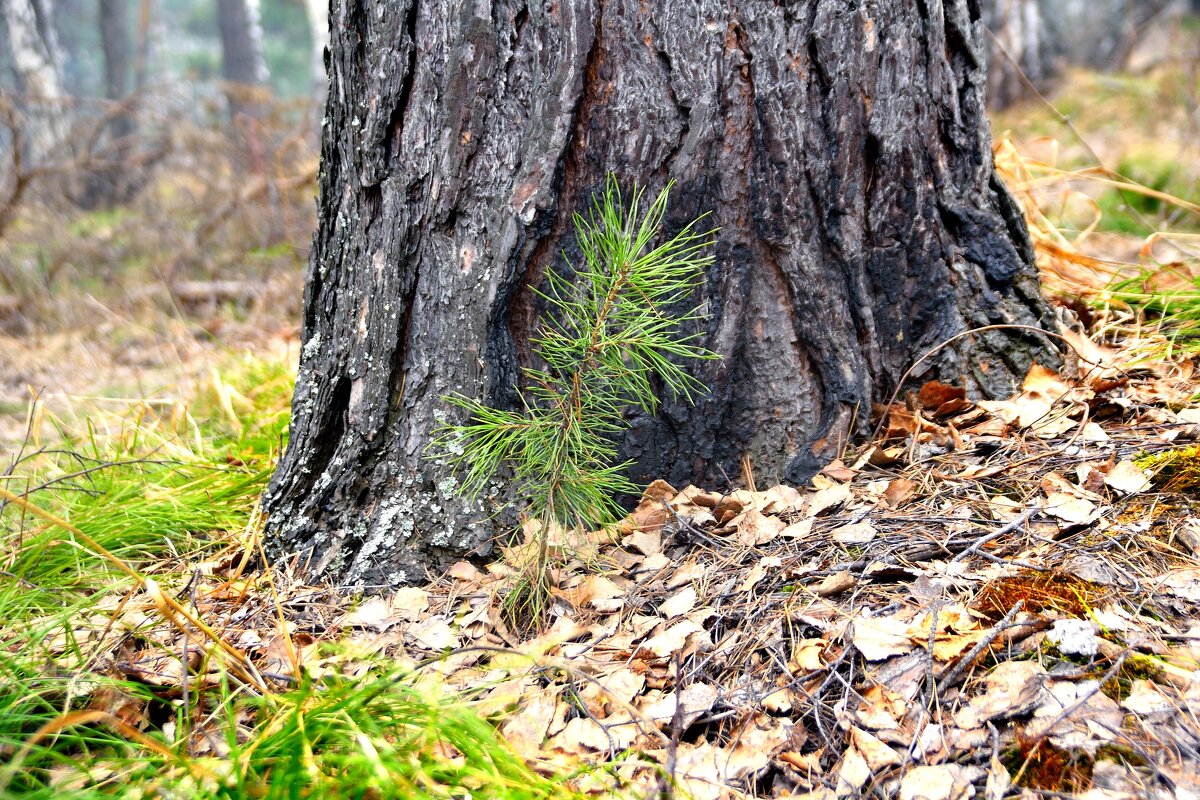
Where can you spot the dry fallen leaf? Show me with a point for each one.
(941, 782)
(783, 499)
(694, 700)
(798, 530)
(836, 583)
(755, 741)
(854, 533)
(581, 736)
(806, 657)
(679, 603)
(687, 573)
(374, 613)
(1012, 688)
(755, 528)
(852, 773)
(525, 729)
(1094, 717)
(832, 496)
(765, 566)
(838, 471)
(880, 708)
(1147, 700)
(432, 633)
(881, 637)
(1071, 509)
(875, 753)
(1127, 478)
(645, 542)
(672, 639)
(898, 491)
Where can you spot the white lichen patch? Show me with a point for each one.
(312, 346)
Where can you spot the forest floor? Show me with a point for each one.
(995, 598)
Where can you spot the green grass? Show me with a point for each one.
(1174, 311)
(178, 487)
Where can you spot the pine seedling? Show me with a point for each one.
(605, 336)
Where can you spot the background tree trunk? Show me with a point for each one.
(318, 23)
(118, 50)
(244, 64)
(37, 61)
(111, 182)
(841, 148)
(149, 38)
(1032, 41)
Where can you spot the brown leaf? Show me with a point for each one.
(695, 699)
(645, 542)
(782, 499)
(838, 471)
(525, 729)
(1071, 509)
(582, 736)
(1127, 478)
(697, 496)
(880, 708)
(934, 394)
(755, 741)
(876, 754)
(463, 571)
(836, 583)
(650, 514)
(898, 491)
(670, 640)
(1012, 688)
(755, 528)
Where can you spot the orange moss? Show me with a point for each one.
(1041, 591)
(1035, 763)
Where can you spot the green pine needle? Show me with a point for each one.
(605, 338)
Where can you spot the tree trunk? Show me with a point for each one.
(115, 42)
(111, 182)
(1031, 41)
(244, 64)
(37, 60)
(841, 148)
(149, 38)
(318, 25)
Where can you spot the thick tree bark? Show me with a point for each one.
(244, 64)
(841, 148)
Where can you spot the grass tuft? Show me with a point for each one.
(104, 511)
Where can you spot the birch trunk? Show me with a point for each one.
(38, 64)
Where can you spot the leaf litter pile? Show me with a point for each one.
(992, 599)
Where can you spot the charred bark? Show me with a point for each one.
(841, 148)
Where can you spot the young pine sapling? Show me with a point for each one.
(604, 336)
